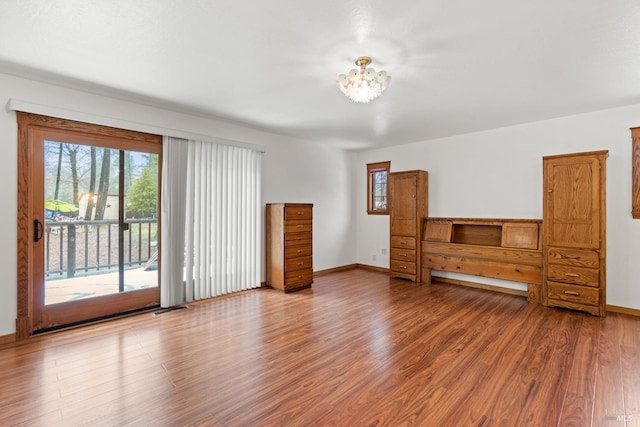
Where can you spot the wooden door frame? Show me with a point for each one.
(27, 124)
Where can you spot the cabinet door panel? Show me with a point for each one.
(404, 227)
(572, 190)
(403, 196)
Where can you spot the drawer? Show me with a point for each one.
(298, 278)
(297, 212)
(297, 238)
(573, 293)
(403, 242)
(403, 267)
(573, 275)
(297, 226)
(291, 251)
(301, 263)
(404, 255)
(574, 257)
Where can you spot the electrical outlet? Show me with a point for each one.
(373, 257)
(383, 251)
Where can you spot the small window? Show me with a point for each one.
(377, 188)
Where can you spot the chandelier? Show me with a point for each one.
(365, 84)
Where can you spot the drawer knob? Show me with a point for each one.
(300, 225)
(299, 263)
(570, 256)
(299, 251)
(571, 275)
(576, 294)
(300, 212)
(404, 242)
(404, 267)
(404, 255)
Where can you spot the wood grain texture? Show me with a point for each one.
(408, 197)
(357, 349)
(574, 213)
(289, 234)
(485, 253)
(635, 173)
(499, 270)
(24, 257)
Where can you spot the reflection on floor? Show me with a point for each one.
(63, 290)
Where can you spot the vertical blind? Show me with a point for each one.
(211, 220)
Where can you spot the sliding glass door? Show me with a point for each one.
(96, 226)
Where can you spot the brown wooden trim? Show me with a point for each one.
(334, 269)
(7, 339)
(635, 174)
(533, 293)
(24, 321)
(374, 167)
(623, 310)
(373, 268)
(30, 119)
(475, 285)
(350, 267)
(584, 153)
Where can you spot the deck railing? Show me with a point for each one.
(86, 247)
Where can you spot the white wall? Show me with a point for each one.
(498, 174)
(307, 173)
(293, 171)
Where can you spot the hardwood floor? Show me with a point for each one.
(357, 349)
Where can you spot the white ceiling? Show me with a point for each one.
(457, 66)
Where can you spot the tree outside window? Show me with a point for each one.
(378, 188)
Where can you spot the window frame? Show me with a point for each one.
(371, 169)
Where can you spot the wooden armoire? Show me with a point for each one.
(408, 206)
(574, 236)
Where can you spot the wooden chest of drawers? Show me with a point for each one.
(289, 246)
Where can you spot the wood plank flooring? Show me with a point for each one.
(357, 349)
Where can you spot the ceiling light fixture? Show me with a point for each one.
(365, 84)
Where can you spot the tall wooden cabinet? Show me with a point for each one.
(289, 246)
(408, 207)
(574, 221)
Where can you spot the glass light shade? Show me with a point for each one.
(365, 84)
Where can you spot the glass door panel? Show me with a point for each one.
(92, 247)
(97, 216)
(141, 220)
